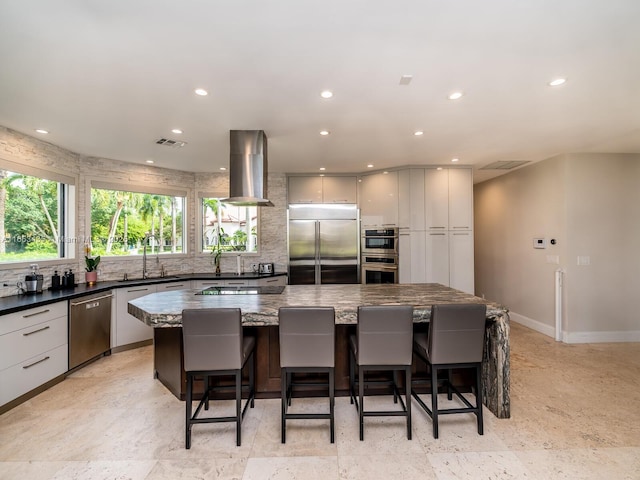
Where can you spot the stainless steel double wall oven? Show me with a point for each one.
(379, 255)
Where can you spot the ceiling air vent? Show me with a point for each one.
(504, 165)
(170, 143)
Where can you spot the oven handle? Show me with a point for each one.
(380, 268)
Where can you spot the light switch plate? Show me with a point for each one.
(539, 243)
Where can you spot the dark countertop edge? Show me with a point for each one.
(17, 303)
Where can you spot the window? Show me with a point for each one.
(122, 221)
(35, 214)
(228, 228)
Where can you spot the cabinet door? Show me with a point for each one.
(339, 189)
(411, 199)
(460, 199)
(379, 199)
(412, 257)
(202, 284)
(305, 189)
(128, 329)
(461, 261)
(162, 287)
(436, 199)
(437, 261)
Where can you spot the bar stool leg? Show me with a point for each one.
(283, 404)
(361, 398)
(238, 406)
(332, 403)
(188, 400)
(479, 394)
(434, 400)
(407, 393)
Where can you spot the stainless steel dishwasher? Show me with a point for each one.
(89, 327)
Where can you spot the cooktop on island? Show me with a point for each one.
(272, 290)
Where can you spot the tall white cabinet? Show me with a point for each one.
(435, 219)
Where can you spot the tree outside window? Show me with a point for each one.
(228, 228)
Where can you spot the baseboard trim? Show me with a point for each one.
(577, 337)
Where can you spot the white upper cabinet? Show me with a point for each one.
(436, 204)
(411, 199)
(448, 199)
(305, 189)
(379, 199)
(339, 189)
(327, 189)
(460, 199)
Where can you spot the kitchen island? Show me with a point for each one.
(260, 318)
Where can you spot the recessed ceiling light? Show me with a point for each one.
(201, 91)
(149, 161)
(370, 166)
(224, 169)
(324, 133)
(42, 131)
(455, 95)
(418, 133)
(385, 173)
(455, 159)
(326, 94)
(176, 130)
(406, 79)
(557, 82)
(322, 169)
(439, 168)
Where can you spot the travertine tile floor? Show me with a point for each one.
(575, 415)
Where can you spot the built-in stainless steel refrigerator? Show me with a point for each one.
(323, 244)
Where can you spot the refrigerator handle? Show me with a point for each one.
(317, 269)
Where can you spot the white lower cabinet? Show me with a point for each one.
(412, 252)
(437, 261)
(450, 260)
(271, 281)
(33, 349)
(461, 272)
(126, 328)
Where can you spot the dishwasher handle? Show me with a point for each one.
(75, 304)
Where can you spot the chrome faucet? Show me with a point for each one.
(145, 243)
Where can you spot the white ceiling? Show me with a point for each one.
(108, 78)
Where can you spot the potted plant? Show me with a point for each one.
(91, 274)
(216, 251)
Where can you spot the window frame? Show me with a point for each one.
(122, 186)
(200, 227)
(67, 212)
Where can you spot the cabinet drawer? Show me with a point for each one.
(272, 281)
(16, 347)
(33, 316)
(31, 373)
(236, 283)
(202, 284)
(174, 286)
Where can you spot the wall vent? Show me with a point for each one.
(504, 165)
(170, 143)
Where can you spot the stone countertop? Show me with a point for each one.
(16, 303)
(164, 309)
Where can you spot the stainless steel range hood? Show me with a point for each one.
(248, 168)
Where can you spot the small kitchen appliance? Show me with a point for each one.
(33, 281)
(266, 268)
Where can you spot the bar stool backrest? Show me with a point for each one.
(456, 333)
(307, 336)
(212, 339)
(385, 335)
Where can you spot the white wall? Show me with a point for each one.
(24, 149)
(590, 204)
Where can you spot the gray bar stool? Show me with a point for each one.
(455, 340)
(383, 342)
(213, 345)
(307, 344)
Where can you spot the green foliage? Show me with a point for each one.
(91, 263)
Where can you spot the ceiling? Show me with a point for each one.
(110, 78)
